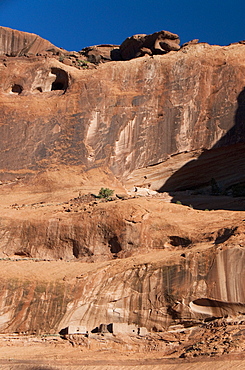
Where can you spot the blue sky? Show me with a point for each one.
(74, 24)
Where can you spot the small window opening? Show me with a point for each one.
(61, 81)
(39, 89)
(17, 89)
(110, 328)
(95, 330)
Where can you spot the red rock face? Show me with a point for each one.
(133, 117)
(154, 295)
(15, 43)
(156, 43)
(168, 122)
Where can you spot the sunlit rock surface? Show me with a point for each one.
(150, 120)
(171, 122)
(16, 43)
(153, 294)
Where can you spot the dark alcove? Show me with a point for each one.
(61, 81)
(17, 89)
(114, 245)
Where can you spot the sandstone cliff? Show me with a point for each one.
(155, 265)
(16, 43)
(145, 119)
(154, 291)
(170, 122)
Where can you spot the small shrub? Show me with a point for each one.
(83, 63)
(178, 202)
(105, 193)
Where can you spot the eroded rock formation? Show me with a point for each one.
(99, 231)
(160, 291)
(145, 119)
(16, 43)
(156, 43)
(174, 121)
(102, 53)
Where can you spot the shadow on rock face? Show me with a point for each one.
(216, 179)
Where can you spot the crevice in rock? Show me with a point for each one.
(75, 248)
(224, 235)
(177, 241)
(22, 254)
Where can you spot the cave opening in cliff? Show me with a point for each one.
(17, 89)
(61, 80)
(114, 245)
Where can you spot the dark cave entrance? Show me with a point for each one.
(61, 80)
(17, 89)
(114, 245)
(57, 86)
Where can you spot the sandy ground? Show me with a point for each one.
(63, 356)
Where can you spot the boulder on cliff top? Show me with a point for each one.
(101, 53)
(17, 43)
(156, 43)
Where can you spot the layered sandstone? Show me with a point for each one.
(155, 122)
(16, 43)
(169, 122)
(98, 231)
(155, 291)
(154, 265)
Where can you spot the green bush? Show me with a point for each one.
(105, 193)
(83, 63)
